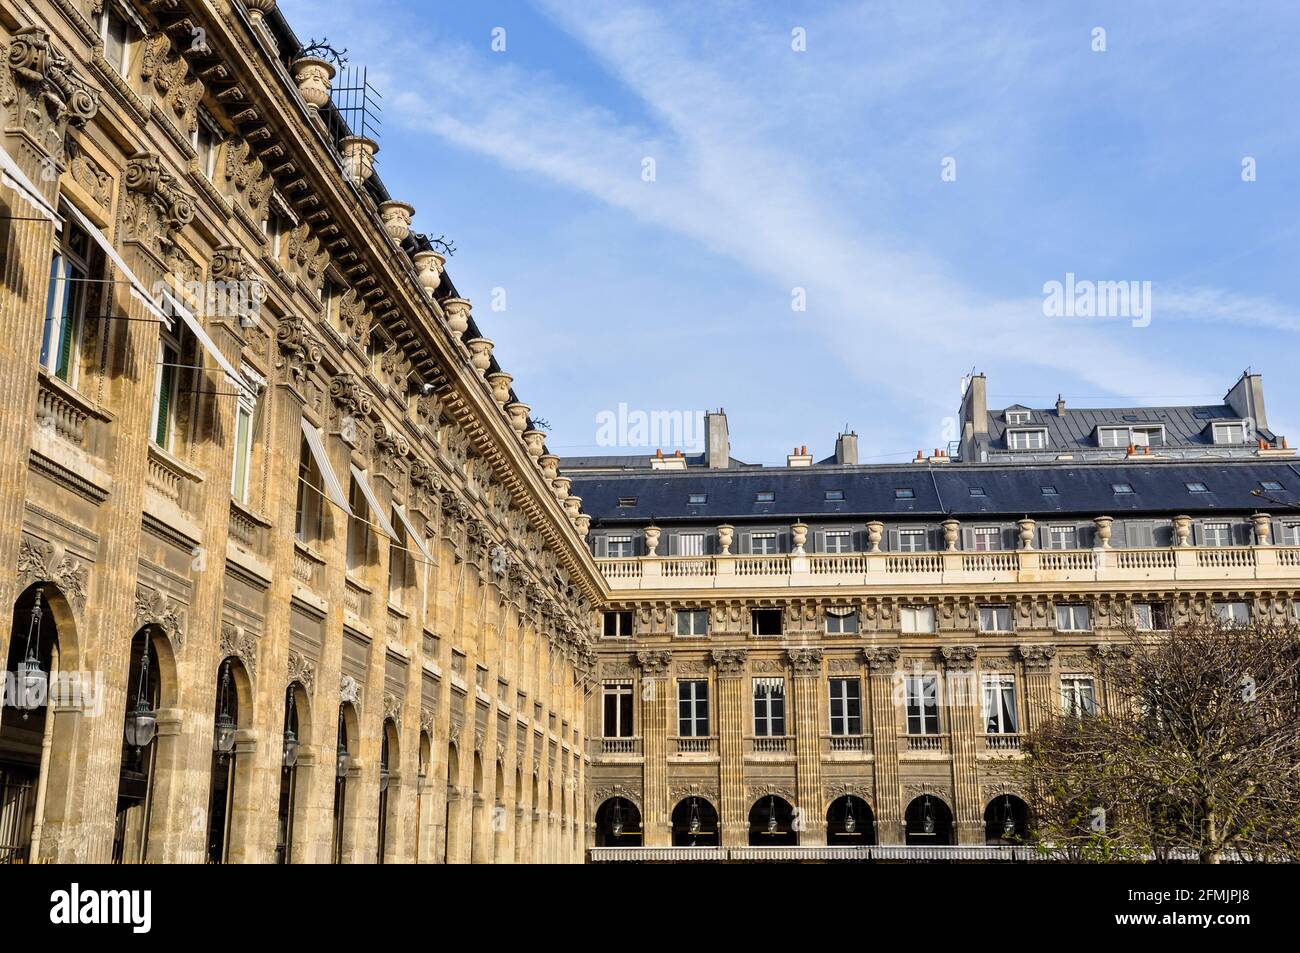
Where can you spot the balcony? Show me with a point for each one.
(705, 745)
(620, 746)
(770, 744)
(923, 744)
(1177, 564)
(1006, 741)
(846, 747)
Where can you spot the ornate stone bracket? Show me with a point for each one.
(39, 561)
(240, 644)
(41, 93)
(301, 670)
(153, 607)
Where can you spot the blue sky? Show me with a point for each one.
(820, 169)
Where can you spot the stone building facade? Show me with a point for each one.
(277, 528)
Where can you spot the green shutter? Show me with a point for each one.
(164, 400)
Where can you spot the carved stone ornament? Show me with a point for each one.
(958, 658)
(756, 792)
(601, 794)
(299, 352)
(39, 561)
(179, 88)
(705, 792)
(237, 642)
(730, 662)
(41, 94)
(1037, 656)
(156, 207)
(301, 670)
(153, 607)
(393, 708)
(838, 789)
(349, 395)
(806, 662)
(881, 658)
(349, 691)
(655, 663)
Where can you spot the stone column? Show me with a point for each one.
(964, 728)
(733, 814)
(656, 703)
(806, 666)
(882, 664)
(1039, 698)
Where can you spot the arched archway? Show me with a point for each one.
(452, 835)
(849, 821)
(695, 823)
(1006, 820)
(347, 731)
(771, 823)
(389, 778)
(150, 687)
(294, 769)
(618, 823)
(422, 816)
(500, 822)
(928, 821)
(42, 649)
(480, 848)
(233, 713)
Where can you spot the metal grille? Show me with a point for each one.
(357, 109)
(16, 785)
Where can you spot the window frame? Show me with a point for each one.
(913, 535)
(921, 705)
(619, 616)
(995, 687)
(624, 720)
(1013, 442)
(846, 624)
(693, 615)
(1075, 688)
(1072, 614)
(847, 722)
(769, 706)
(689, 708)
(914, 613)
(66, 297)
(1232, 425)
(996, 611)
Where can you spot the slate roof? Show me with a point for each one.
(1076, 430)
(1009, 490)
(636, 461)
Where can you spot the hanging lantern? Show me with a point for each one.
(290, 739)
(383, 778)
(616, 824)
(223, 741)
(142, 721)
(771, 814)
(1008, 819)
(695, 817)
(33, 683)
(342, 759)
(850, 822)
(927, 817)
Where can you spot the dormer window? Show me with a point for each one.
(1027, 439)
(1230, 433)
(626, 501)
(904, 493)
(834, 496)
(1121, 488)
(1112, 436)
(1151, 436)
(765, 496)
(1017, 417)
(696, 499)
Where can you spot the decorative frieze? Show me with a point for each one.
(153, 607)
(40, 561)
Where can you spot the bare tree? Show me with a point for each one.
(1198, 751)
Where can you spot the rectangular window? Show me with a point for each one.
(627, 501)
(1048, 490)
(1073, 617)
(310, 495)
(916, 619)
(164, 397)
(1121, 489)
(116, 33)
(769, 707)
(765, 621)
(692, 622)
(1230, 433)
(995, 618)
(1270, 485)
(765, 496)
(1077, 696)
(904, 493)
(1216, 534)
(690, 544)
(922, 704)
(1196, 488)
(65, 305)
(697, 499)
(399, 561)
(986, 539)
(911, 540)
(1000, 705)
(834, 496)
(1150, 616)
(1112, 436)
(1017, 416)
(977, 491)
(619, 546)
(618, 625)
(1232, 613)
(762, 544)
(839, 541)
(693, 708)
(358, 529)
(206, 141)
(1027, 439)
(846, 706)
(1148, 436)
(244, 415)
(618, 710)
(1290, 534)
(1062, 537)
(841, 620)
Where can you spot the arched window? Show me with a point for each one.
(618, 824)
(849, 821)
(1006, 820)
(387, 751)
(695, 823)
(139, 751)
(290, 747)
(928, 821)
(342, 764)
(771, 823)
(224, 764)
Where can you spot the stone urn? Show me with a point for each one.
(358, 158)
(396, 217)
(951, 529)
(480, 354)
(875, 529)
(518, 416)
(726, 533)
(1182, 530)
(259, 8)
(798, 536)
(1026, 526)
(1263, 524)
(582, 523)
(1104, 526)
(457, 311)
(652, 540)
(500, 383)
(561, 487)
(550, 465)
(315, 78)
(428, 267)
(535, 441)
(573, 506)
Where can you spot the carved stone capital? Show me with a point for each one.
(958, 658)
(882, 658)
(806, 662)
(299, 352)
(1037, 656)
(730, 662)
(655, 663)
(40, 92)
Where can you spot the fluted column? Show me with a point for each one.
(655, 706)
(806, 666)
(732, 811)
(964, 728)
(882, 664)
(1037, 661)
